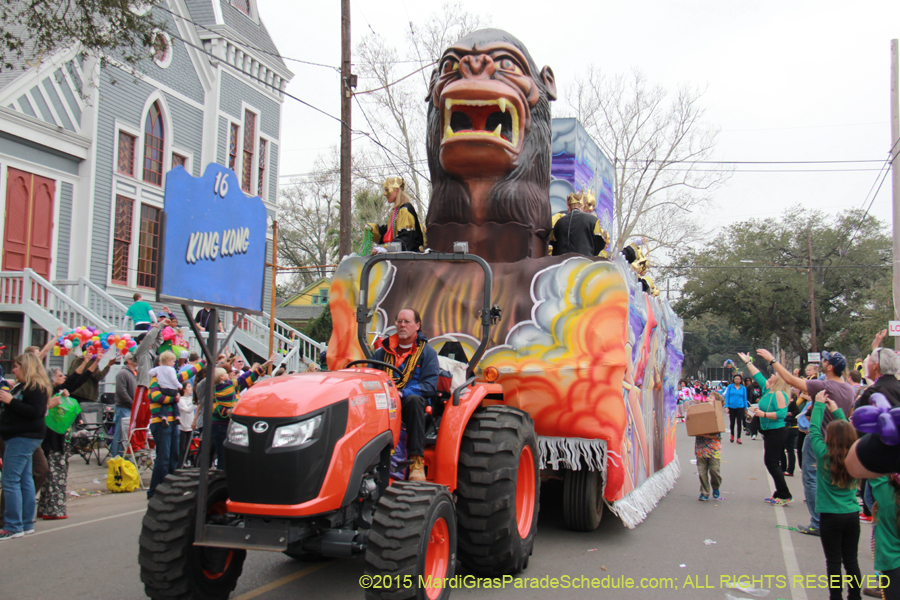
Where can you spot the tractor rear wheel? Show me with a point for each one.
(498, 491)
(172, 568)
(583, 499)
(411, 550)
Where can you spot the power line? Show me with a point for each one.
(257, 48)
(792, 267)
(756, 162)
(384, 87)
(365, 168)
(388, 150)
(887, 169)
(262, 81)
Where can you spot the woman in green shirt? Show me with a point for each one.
(771, 410)
(836, 496)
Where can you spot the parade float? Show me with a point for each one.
(585, 345)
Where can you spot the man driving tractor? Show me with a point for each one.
(409, 351)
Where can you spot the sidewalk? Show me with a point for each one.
(86, 481)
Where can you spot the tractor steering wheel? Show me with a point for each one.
(380, 363)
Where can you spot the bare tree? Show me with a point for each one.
(396, 83)
(309, 215)
(656, 140)
(308, 212)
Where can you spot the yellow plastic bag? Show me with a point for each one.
(121, 475)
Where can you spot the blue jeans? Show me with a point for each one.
(219, 432)
(166, 440)
(18, 484)
(121, 413)
(868, 497)
(809, 481)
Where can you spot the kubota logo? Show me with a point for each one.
(260, 426)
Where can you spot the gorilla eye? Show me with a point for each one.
(507, 64)
(449, 66)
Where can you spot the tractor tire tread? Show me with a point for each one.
(393, 541)
(164, 548)
(489, 542)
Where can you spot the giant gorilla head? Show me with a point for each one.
(489, 137)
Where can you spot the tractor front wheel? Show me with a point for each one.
(498, 491)
(411, 550)
(172, 568)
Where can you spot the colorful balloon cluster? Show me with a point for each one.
(878, 418)
(87, 340)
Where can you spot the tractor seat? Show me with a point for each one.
(452, 374)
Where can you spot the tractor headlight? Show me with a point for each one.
(297, 433)
(237, 434)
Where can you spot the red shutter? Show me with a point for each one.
(42, 225)
(28, 239)
(18, 209)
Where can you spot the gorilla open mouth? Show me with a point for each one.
(497, 119)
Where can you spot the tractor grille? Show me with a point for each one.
(260, 474)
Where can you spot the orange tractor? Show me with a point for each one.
(307, 473)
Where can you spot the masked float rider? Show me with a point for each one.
(403, 226)
(408, 351)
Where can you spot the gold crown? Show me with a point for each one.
(392, 183)
(584, 197)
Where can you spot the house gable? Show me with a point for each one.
(315, 294)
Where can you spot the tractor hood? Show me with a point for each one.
(297, 395)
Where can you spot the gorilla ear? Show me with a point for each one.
(431, 84)
(549, 81)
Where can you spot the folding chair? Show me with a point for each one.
(88, 435)
(146, 458)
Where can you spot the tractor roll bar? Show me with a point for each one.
(489, 314)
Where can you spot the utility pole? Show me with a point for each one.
(812, 293)
(346, 110)
(895, 180)
(274, 266)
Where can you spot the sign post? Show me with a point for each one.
(212, 252)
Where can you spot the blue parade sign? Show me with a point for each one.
(213, 242)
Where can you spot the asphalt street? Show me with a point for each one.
(93, 554)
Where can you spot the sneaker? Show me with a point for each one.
(29, 532)
(769, 500)
(716, 494)
(739, 441)
(732, 439)
(703, 498)
(9, 535)
(865, 518)
(52, 518)
(788, 474)
(782, 501)
(808, 530)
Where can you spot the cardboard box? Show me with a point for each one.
(705, 418)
